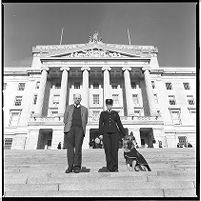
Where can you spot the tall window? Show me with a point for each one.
(168, 86)
(115, 98)
(54, 112)
(135, 99)
(186, 86)
(56, 99)
(37, 84)
(133, 85)
(172, 100)
(76, 85)
(35, 99)
(8, 143)
(21, 86)
(156, 98)
(4, 86)
(175, 114)
(95, 99)
(95, 85)
(14, 118)
(153, 84)
(190, 100)
(18, 100)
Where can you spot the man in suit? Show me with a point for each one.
(109, 126)
(75, 120)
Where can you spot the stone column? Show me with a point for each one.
(106, 84)
(41, 93)
(63, 91)
(149, 91)
(57, 136)
(85, 80)
(127, 81)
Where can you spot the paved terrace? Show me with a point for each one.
(41, 173)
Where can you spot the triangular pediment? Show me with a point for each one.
(93, 51)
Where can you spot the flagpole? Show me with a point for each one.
(61, 36)
(129, 38)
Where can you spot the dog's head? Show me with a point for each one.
(128, 144)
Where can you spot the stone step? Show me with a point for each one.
(107, 193)
(41, 173)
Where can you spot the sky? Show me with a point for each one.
(171, 27)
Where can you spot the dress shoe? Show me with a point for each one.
(68, 170)
(77, 170)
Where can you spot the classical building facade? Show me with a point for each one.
(158, 104)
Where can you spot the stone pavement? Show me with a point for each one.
(41, 173)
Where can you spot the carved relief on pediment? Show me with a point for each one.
(95, 53)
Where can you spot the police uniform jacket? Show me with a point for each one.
(109, 122)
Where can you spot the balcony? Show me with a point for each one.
(58, 120)
(132, 119)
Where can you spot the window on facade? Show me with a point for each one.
(137, 113)
(115, 98)
(4, 86)
(35, 99)
(56, 99)
(18, 100)
(176, 117)
(156, 98)
(133, 85)
(14, 118)
(186, 86)
(183, 141)
(95, 85)
(192, 114)
(135, 99)
(168, 86)
(8, 143)
(153, 84)
(114, 86)
(95, 99)
(37, 84)
(54, 113)
(76, 85)
(21, 86)
(172, 100)
(190, 100)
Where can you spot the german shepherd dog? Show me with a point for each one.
(134, 160)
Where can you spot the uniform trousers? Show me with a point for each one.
(111, 146)
(74, 143)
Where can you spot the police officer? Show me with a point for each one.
(109, 126)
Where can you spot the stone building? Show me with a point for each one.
(157, 103)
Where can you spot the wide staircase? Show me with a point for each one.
(41, 173)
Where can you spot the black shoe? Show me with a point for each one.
(77, 170)
(68, 170)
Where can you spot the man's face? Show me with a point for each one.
(109, 107)
(77, 99)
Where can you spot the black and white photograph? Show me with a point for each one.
(99, 100)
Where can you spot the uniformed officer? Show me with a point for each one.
(109, 126)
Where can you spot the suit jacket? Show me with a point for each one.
(69, 114)
(110, 122)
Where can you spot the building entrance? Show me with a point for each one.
(147, 138)
(44, 139)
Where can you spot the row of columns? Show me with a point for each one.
(107, 89)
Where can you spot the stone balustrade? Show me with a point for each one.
(93, 119)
